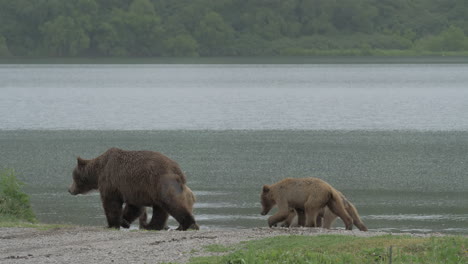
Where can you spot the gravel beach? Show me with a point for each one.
(101, 245)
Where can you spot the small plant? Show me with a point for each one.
(14, 203)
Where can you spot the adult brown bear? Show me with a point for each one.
(138, 179)
(308, 195)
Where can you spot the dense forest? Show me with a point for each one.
(79, 28)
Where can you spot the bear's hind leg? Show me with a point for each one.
(182, 215)
(158, 220)
(355, 216)
(185, 219)
(328, 218)
(336, 206)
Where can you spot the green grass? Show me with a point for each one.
(14, 203)
(347, 249)
(217, 248)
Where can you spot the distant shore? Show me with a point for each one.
(455, 58)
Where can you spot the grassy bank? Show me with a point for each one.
(15, 206)
(344, 249)
(14, 203)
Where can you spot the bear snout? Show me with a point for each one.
(72, 190)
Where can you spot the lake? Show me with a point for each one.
(392, 137)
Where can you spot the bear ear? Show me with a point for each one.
(266, 188)
(81, 162)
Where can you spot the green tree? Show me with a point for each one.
(315, 16)
(143, 7)
(354, 16)
(451, 39)
(214, 35)
(250, 45)
(63, 36)
(265, 23)
(132, 33)
(107, 41)
(181, 45)
(3, 47)
(228, 27)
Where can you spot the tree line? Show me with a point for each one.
(70, 28)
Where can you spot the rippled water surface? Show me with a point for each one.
(392, 138)
(400, 181)
(322, 96)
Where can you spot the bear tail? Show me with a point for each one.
(336, 205)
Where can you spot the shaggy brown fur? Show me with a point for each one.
(327, 217)
(138, 179)
(309, 195)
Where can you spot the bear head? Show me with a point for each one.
(267, 200)
(83, 180)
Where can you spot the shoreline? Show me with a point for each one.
(442, 58)
(79, 244)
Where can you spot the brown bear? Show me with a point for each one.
(326, 217)
(138, 179)
(309, 195)
(189, 201)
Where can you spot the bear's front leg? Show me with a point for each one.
(113, 211)
(280, 216)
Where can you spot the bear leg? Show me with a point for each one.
(336, 206)
(290, 219)
(158, 220)
(185, 219)
(328, 218)
(130, 213)
(280, 216)
(312, 209)
(355, 216)
(300, 217)
(311, 217)
(182, 215)
(113, 211)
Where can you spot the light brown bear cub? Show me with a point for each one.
(138, 179)
(326, 218)
(308, 195)
(189, 198)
